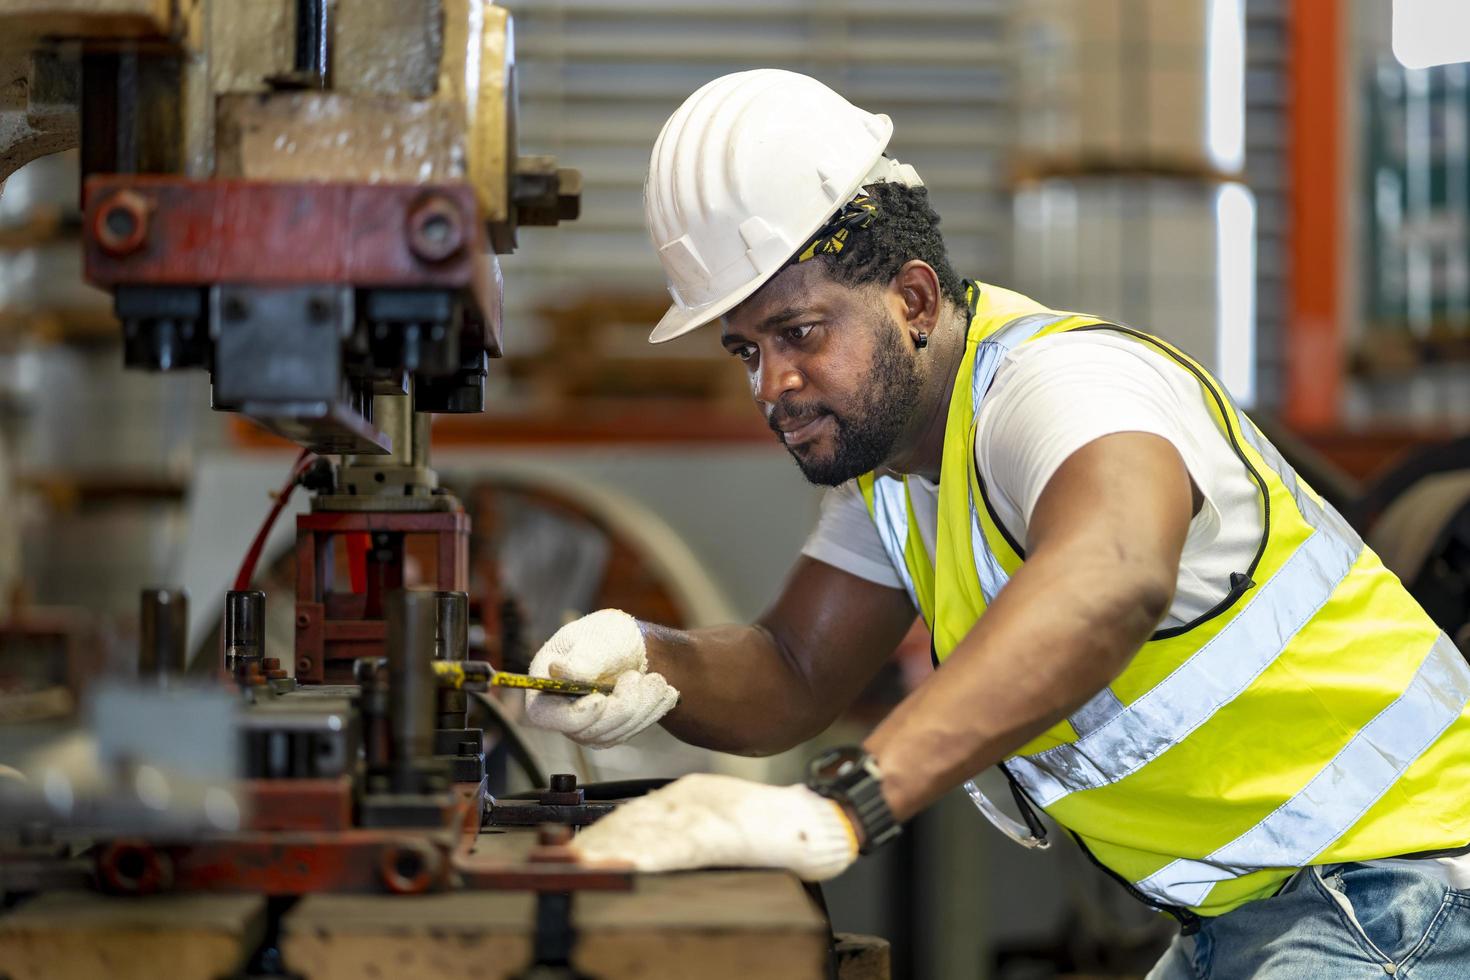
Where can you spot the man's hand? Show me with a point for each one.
(604, 647)
(705, 821)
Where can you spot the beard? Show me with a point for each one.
(866, 434)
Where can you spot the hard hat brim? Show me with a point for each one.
(679, 320)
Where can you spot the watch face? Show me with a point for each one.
(836, 764)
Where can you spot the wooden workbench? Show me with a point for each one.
(710, 924)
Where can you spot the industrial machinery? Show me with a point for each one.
(304, 199)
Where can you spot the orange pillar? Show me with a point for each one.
(1314, 335)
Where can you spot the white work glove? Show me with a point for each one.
(603, 647)
(705, 821)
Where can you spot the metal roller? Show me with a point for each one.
(163, 632)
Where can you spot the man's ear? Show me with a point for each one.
(917, 286)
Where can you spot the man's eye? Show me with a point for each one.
(798, 334)
(745, 352)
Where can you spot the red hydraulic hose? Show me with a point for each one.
(252, 557)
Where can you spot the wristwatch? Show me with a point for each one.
(849, 776)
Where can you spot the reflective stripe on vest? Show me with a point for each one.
(1348, 703)
(1372, 761)
(890, 496)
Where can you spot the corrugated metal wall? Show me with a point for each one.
(1266, 133)
(598, 77)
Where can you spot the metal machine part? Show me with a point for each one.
(401, 479)
(304, 200)
(336, 627)
(411, 685)
(244, 633)
(452, 626)
(461, 748)
(562, 802)
(163, 633)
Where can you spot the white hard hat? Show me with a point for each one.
(747, 169)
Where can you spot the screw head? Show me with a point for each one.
(120, 223)
(553, 835)
(435, 228)
(319, 310)
(234, 309)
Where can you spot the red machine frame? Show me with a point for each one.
(333, 628)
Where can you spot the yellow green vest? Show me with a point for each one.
(1315, 715)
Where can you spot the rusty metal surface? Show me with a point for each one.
(299, 864)
(544, 863)
(332, 628)
(201, 232)
(298, 804)
(400, 860)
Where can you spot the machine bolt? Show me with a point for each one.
(235, 309)
(133, 867)
(303, 666)
(303, 620)
(121, 223)
(409, 867)
(435, 228)
(562, 791)
(318, 310)
(554, 835)
(553, 842)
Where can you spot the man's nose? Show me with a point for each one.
(776, 376)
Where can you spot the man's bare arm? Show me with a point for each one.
(1103, 546)
(760, 689)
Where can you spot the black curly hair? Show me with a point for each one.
(905, 227)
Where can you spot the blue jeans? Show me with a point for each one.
(1337, 920)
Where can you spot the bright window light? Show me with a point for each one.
(1225, 78)
(1431, 32)
(1235, 291)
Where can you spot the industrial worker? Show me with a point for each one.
(1169, 642)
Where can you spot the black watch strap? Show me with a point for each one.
(850, 776)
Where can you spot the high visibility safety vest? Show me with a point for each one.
(1315, 715)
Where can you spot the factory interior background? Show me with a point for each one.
(1259, 181)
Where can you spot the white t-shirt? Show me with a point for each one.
(1051, 397)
